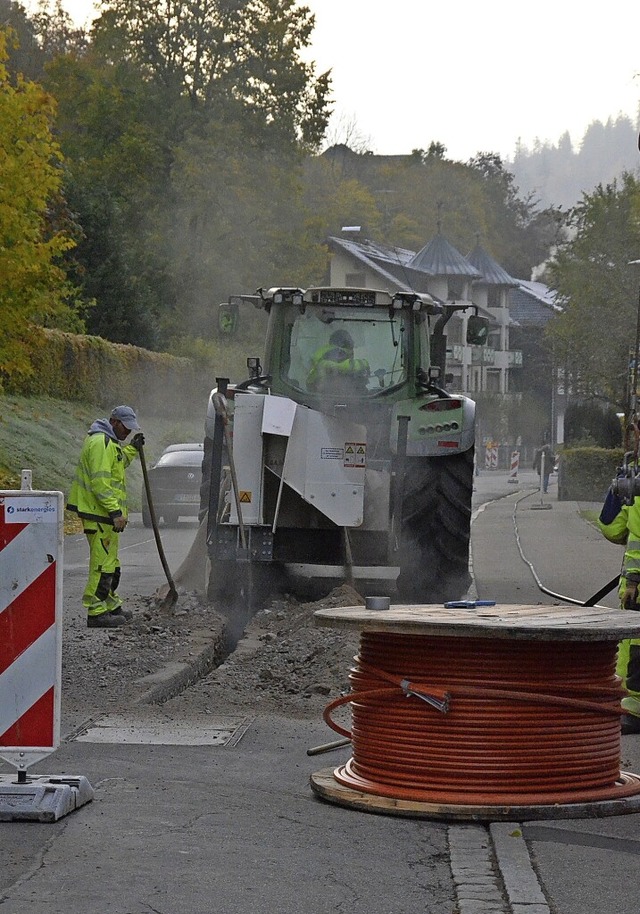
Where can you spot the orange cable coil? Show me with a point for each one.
(528, 722)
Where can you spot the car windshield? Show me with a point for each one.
(361, 351)
(180, 459)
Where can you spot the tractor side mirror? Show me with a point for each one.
(477, 330)
(228, 318)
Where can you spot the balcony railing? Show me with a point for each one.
(483, 355)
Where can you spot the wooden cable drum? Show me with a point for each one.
(501, 706)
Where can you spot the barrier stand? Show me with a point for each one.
(515, 466)
(491, 456)
(31, 549)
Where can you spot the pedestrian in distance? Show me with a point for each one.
(543, 465)
(620, 524)
(99, 496)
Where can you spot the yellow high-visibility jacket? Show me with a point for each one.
(99, 491)
(620, 524)
(335, 361)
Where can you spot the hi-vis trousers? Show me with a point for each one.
(104, 569)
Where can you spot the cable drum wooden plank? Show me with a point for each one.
(534, 622)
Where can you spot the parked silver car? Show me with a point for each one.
(175, 484)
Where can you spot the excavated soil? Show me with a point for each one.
(108, 667)
(283, 664)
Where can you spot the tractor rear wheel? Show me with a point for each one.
(436, 529)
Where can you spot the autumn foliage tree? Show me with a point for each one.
(34, 290)
(597, 284)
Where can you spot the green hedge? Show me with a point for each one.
(89, 369)
(585, 473)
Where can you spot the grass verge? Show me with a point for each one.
(45, 436)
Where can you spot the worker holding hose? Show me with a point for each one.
(620, 523)
(99, 496)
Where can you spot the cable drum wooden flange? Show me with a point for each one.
(483, 713)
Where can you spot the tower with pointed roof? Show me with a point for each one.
(440, 269)
(491, 291)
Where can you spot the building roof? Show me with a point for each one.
(532, 304)
(390, 263)
(491, 272)
(439, 258)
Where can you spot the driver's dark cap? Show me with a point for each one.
(341, 338)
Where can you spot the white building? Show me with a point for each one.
(441, 270)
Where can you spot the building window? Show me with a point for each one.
(493, 381)
(357, 280)
(457, 286)
(494, 299)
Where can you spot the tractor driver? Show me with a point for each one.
(335, 363)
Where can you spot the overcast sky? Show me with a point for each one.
(475, 76)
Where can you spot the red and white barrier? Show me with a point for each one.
(515, 466)
(491, 457)
(31, 544)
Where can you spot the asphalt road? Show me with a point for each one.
(186, 829)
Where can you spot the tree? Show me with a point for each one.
(56, 31)
(524, 233)
(599, 290)
(235, 58)
(239, 221)
(184, 126)
(23, 52)
(116, 138)
(33, 287)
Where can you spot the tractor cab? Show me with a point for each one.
(350, 343)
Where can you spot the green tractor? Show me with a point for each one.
(342, 457)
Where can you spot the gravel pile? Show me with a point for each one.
(283, 664)
(107, 666)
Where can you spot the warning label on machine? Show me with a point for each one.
(331, 453)
(355, 454)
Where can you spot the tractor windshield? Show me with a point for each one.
(355, 351)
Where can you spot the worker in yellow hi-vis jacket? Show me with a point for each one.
(99, 496)
(620, 524)
(335, 364)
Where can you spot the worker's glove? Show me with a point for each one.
(630, 595)
(138, 441)
(119, 523)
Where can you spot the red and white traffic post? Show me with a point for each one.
(515, 466)
(31, 550)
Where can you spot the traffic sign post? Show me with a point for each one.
(31, 550)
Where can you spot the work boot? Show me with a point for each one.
(126, 614)
(629, 724)
(114, 606)
(106, 620)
